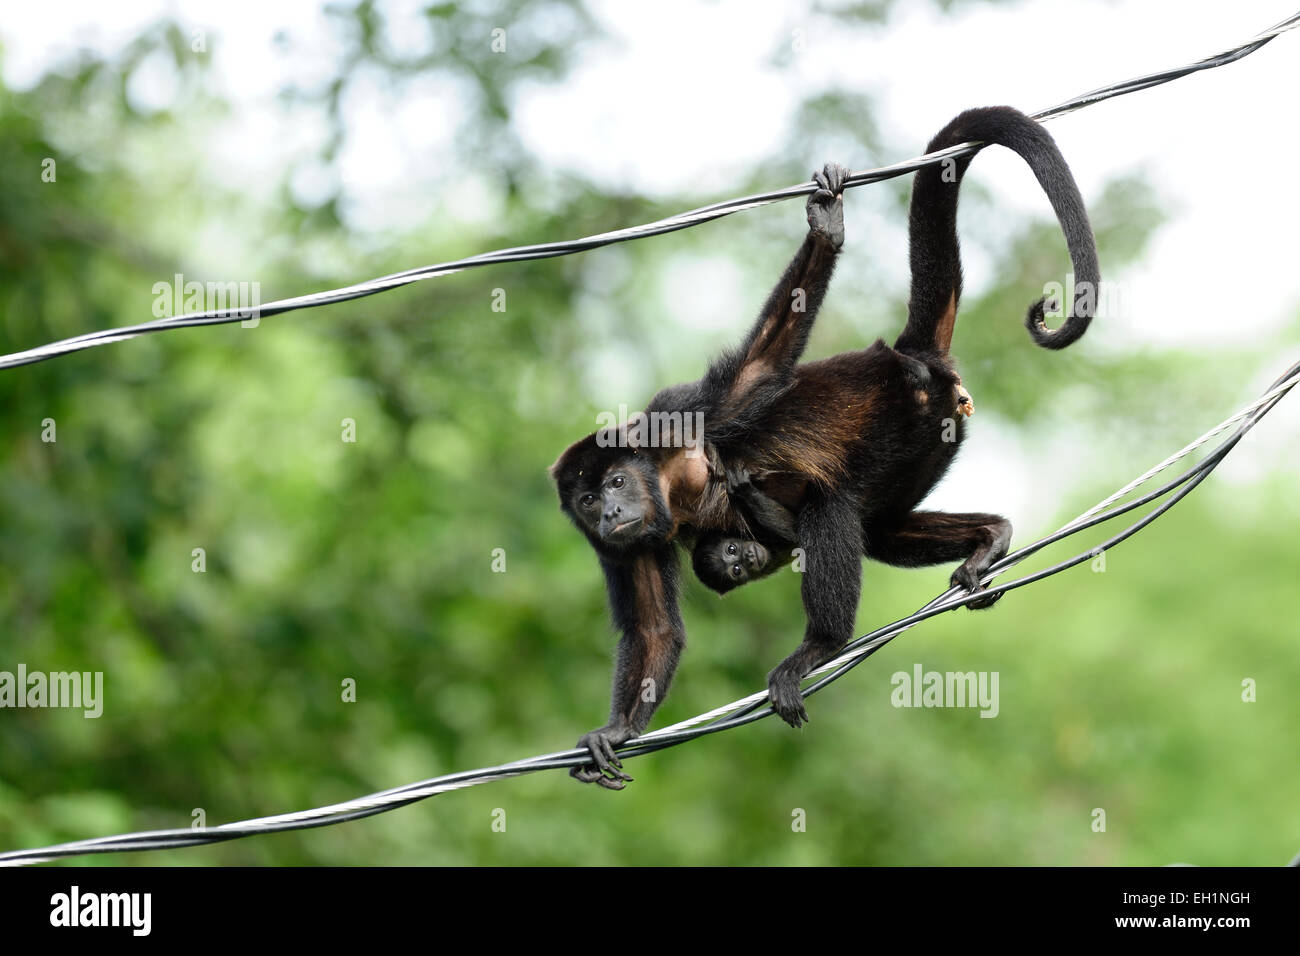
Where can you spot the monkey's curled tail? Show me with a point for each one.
(936, 254)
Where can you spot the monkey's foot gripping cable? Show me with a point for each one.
(739, 712)
(683, 220)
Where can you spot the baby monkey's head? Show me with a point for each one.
(724, 561)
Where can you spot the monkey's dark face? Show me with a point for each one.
(613, 495)
(724, 562)
(616, 508)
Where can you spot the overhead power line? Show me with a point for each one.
(738, 712)
(683, 220)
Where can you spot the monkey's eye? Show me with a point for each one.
(736, 571)
(618, 482)
(586, 500)
(731, 549)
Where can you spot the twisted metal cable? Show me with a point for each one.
(683, 220)
(736, 714)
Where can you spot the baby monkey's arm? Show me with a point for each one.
(773, 518)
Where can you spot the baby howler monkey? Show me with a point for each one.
(726, 559)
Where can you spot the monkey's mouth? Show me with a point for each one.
(624, 530)
(755, 556)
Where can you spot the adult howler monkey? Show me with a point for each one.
(868, 433)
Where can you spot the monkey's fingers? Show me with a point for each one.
(603, 756)
(587, 773)
(968, 578)
(611, 762)
(819, 201)
(985, 602)
(590, 774)
(788, 703)
(737, 477)
(833, 177)
(796, 717)
(826, 212)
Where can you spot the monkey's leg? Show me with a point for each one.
(934, 537)
(831, 534)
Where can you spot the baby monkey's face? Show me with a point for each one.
(724, 562)
(743, 558)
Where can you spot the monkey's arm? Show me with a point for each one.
(643, 601)
(745, 380)
(772, 517)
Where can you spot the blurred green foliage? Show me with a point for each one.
(371, 561)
